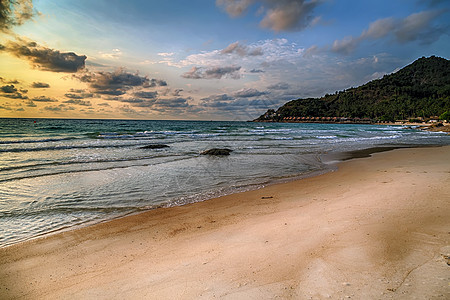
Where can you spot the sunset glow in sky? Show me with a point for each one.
(202, 59)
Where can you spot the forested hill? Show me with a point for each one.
(421, 89)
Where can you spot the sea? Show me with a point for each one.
(59, 174)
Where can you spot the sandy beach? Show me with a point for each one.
(378, 228)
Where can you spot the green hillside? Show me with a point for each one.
(421, 89)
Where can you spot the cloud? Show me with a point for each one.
(76, 91)
(9, 89)
(415, 27)
(30, 103)
(115, 54)
(116, 83)
(219, 72)
(279, 15)
(291, 15)
(248, 93)
(217, 98)
(78, 94)
(193, 73)
(73, 96)
(166, 54)
(45, 58)
(213, 73)
(134, 101)
(138, 102)
(13, 81)
(242, 50)
(271, 50)
(256, 71)
(78, 102)
(311, 51)
(235, 8)
(40, 85)
(346, 45)
(146, 95)
(279, 86)
(418, 27)
(178, 102)
(44, 99)
(128, 110)
(177, 92)
(58, 108)
(13, 13)
(157, 82)
(15, 96)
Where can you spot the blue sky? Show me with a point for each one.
(224, 59)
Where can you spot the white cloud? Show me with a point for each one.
(166, 54)
(114, 54)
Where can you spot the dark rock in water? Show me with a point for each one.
(216, 151)
(154, 146)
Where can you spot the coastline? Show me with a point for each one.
(328, 235)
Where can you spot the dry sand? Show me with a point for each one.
(378, 228)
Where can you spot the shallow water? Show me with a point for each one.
(57, 174)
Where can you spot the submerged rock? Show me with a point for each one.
(216, 151)
(154, 146)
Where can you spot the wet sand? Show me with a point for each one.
(378, 228)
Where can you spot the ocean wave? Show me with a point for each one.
(70, 147)
(9, 142)
(86, 163)
(48, 211)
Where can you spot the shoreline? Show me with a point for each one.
(329, 161)
(306, 238)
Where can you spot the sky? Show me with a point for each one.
(202, 59)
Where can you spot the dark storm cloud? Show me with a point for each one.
(40, 85)
(213, 73)
(45, 58)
